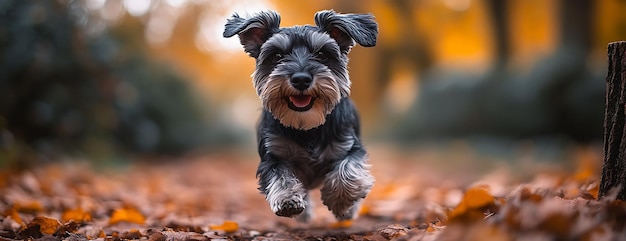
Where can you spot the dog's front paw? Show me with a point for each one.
(290, 208)
(288, 205)
(343, 209)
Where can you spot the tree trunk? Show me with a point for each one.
(614, 168)
(499, 11)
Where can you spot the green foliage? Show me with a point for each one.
(65, 89)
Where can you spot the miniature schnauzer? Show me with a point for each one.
(308, 134)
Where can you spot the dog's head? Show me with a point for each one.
(301, 71)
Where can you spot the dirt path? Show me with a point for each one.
(215, 198)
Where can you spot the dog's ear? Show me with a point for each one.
(254, 30)
(347, 28)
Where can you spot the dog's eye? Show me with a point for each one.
(321, 55)
(277, 57)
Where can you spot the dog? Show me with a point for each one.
(309, 132)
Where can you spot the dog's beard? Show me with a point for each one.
(303, 110)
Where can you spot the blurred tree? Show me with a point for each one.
(574, 92)
(499, 18)
(411, 47)
(560, 96)
(64, 89)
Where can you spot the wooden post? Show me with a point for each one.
(614, 167)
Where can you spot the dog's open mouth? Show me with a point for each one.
(300, 102)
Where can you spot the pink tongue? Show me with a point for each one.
(300, 101)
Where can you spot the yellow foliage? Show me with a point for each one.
(130, 215)
(227, 226)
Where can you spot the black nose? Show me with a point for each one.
(301, 81)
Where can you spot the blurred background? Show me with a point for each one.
(104, 79)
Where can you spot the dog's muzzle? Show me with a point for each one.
(300, 81)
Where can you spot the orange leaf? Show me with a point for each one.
(364, 210)
(46, 225)
(593, 191)
(430, 229)
(526, 194)
(227, 226)
(29, 207)
(557, 223)
(12, 212)
(474, 199)
(477, 197)
(130, 215)
(78, 215)
(342, 224)
(102, 234)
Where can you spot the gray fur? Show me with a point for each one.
(316, 143)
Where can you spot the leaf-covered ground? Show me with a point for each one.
(419, 195)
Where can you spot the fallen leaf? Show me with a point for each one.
(29, 207)
(374, 237)
(480, 232)
(157, 236)
(471, 204)
(68, 227)
(364, 210)
(46, 225)
(102, 234)
(587, 164)
(77, 215)
(13, 214)
(593, 191)
(393, 231)
(430, 229)
(131, 234)
(127, 214)
(227, 226)
(527, 195)
(342, 224)
(170, 235)
(558, 223)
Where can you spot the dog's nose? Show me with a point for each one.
(301, 81)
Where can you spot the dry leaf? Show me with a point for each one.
(14, 214)
(130, 215)
(342, 224)
(473, 201)
(77, 215)
(364, 210)
(29, 207)
(46, 225)
(557, 223)
(131, 234)
(393, 231)
(526, 194)
(430, 229)
(170, 235)
(482, 231)
(227, 226)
